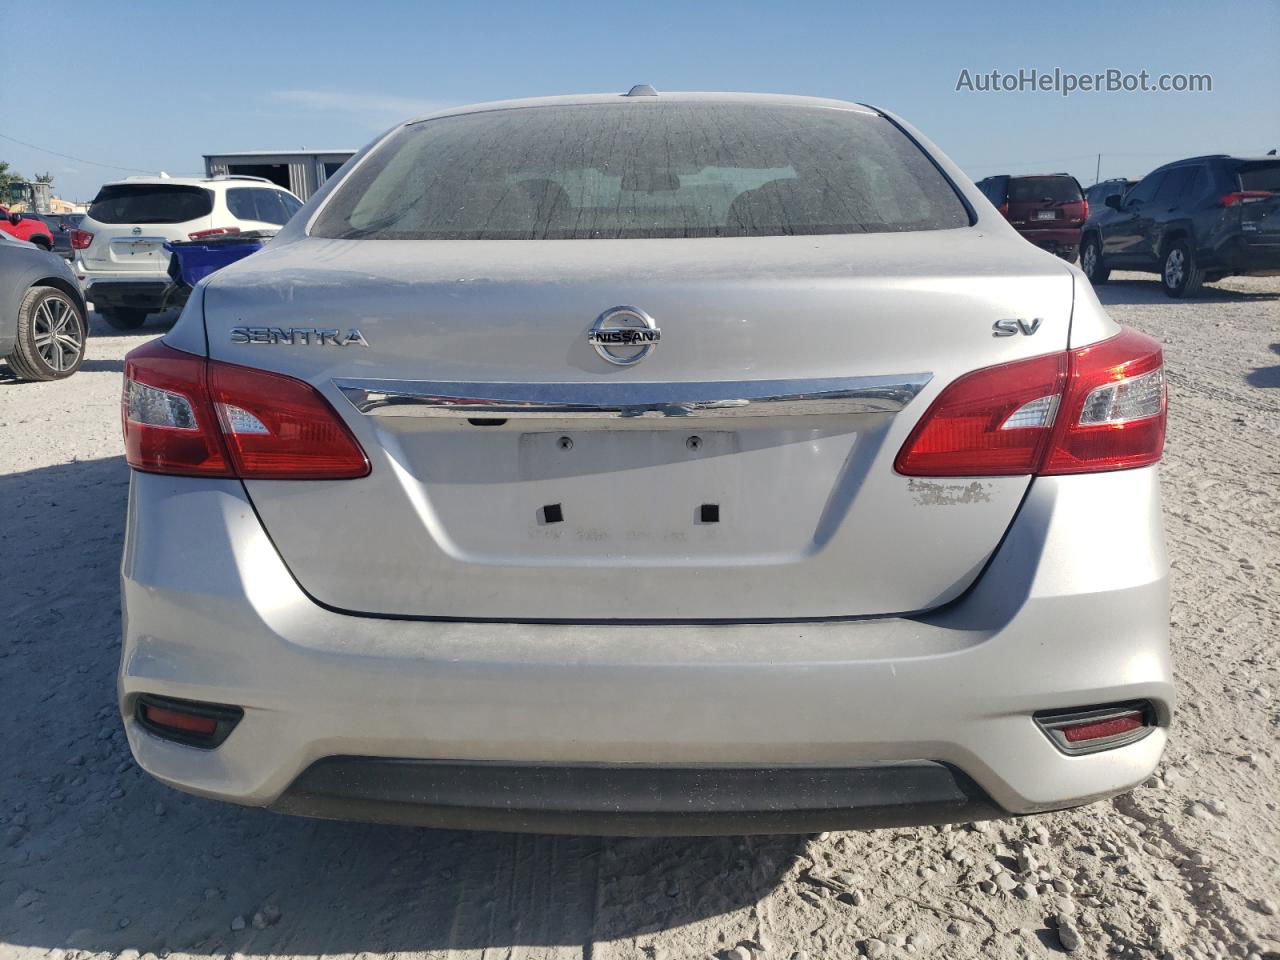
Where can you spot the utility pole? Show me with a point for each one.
(1097, 171)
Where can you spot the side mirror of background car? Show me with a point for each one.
(15, 218)
(1113, 201)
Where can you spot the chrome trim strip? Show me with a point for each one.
(721, 398)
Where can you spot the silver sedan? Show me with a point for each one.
(675, 463)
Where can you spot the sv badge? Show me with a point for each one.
(1009, 328)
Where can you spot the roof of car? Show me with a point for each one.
(1216, 156)
(157, 180)
(585, 99)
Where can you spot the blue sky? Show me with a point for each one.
(154, 86)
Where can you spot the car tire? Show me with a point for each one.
(1179, 274)
(123, 318)
(51, 336)
(1091, 261)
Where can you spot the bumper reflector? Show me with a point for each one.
(1097, 728)
(188, 722)
(1100, 729)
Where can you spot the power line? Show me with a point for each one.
(67, 156)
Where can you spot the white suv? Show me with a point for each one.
(119, 249)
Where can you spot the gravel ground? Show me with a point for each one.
(98, 860)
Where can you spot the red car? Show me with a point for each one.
(26, 228)
(1047, 209)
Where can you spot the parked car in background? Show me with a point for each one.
(59, 226)
(62, 225)
(480, 465)
(42, 314)
(120, 255)
(1193, 222)
(26, 226)
(1047, 209)
(1096, 195)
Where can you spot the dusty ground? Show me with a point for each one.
(98, 860)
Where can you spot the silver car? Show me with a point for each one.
(656, 463)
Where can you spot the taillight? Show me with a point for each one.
(214, 232)
(992, 422)
(169, 424)
(1245, 196)
(1101, 407)
(276, 427)
(189, 416)
(1084, 210)
(1113, 413)
(80, 239)
(1004, 209)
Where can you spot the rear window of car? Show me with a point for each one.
(1261, 176)
(150, 203)
(1039, 189)
(643, 170)
(255, 203)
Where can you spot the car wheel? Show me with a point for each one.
(51, 336)
(124, 319)
(1179, 275)
(1091, 261)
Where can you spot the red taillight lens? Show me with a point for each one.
(1245, 196)
(1101, 407)
(214, 232)
(1113, 414)
(190, 416)
(169, 424)
(988, 423)
(80, 239)
(276, 427)
(1004, 209)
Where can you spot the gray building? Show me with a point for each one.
(299, 171)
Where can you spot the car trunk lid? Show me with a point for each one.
(741, 471)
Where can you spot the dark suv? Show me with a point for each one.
(1096, 196)
(1047, 209)
(1193, 222)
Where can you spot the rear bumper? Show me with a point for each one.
(150, 292)
(1056, 240)
(634, 799)
(558, 727)
(1244, 253)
